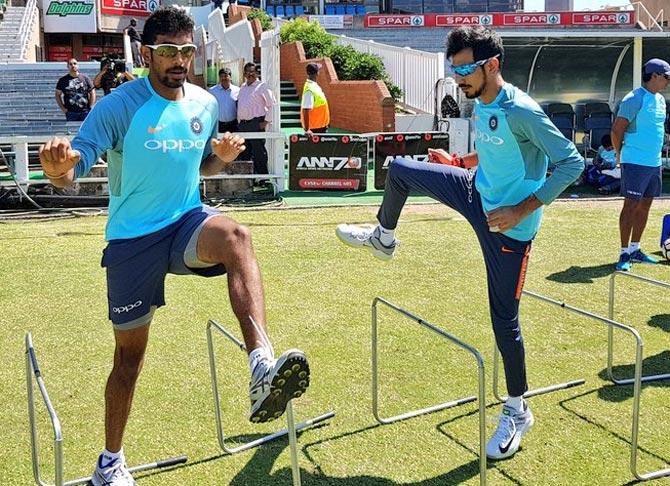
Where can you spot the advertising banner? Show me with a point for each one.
(333, 22)
(133, 8)
(389, 146)
(522, 19)
(320, 162)
(69, 16)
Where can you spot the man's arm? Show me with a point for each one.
(97, 81)
(305, 118)
(534, 125)
(618, 129)
(91, 93)
(268, 101)
(59, 100)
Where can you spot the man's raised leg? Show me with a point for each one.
(273, 382)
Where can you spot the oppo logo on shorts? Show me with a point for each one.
(172, 144)
(126, 308)
(486, 138)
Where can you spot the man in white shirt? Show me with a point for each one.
(254, 113)
(226, 96)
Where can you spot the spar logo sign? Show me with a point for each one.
(554, 19)
(417, 20)
(485, 20)
(129, 7)
(603, 18)
(63, 9)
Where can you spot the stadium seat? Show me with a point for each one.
(360, 9)
(340, 10)
(290, 11)
(563, 116)
(279, 11)
(350, 9)
(330, 9)
(299, 10)
(270, 9)
(597, 122)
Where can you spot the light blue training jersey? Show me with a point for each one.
(643, 138)
(515, 141)
(154, 150)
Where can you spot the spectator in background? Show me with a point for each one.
(75, 94)
(314, 111)
(226, 96)
(112, 74)
(135, 43)
(637, 135)
(602, 174)
(254, 113)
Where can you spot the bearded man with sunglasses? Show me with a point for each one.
(159, 133)
(500, 189)
(637, 136)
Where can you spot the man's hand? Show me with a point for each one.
(440, 156)
(228, 147)
(507, 217)
(57, 157)
(308, 133)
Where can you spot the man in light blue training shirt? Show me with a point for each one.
(158, 134)
(637, 136)
(500, 190)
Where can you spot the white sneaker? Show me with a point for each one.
(275, 382)
(112, 472)
(512, 426)
(368, 237)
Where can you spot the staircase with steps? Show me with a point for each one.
(289, 105)
(10, 46)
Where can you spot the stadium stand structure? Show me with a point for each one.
(10, 46)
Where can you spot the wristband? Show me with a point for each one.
(51, 176)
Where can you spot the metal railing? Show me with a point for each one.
(25, 31)
(403, 65)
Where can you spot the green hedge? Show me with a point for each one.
(348, 62)
(257, 13)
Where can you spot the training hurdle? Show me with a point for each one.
(535, 391)
(636, 381)
(610, 337)
(291, 426)
(414, 413)
(33, 372)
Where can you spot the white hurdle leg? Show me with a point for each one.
(449, 338)
(291, 426)
(33, 373)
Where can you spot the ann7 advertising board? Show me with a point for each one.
(414, 146)
(334, 162)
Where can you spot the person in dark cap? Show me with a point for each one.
(314, 110)
(226, 96)
(637, 136)
(135, 42)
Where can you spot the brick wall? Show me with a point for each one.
(359, 106)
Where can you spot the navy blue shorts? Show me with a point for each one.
(136, 267)
(638, 181)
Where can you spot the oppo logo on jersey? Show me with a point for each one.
(486, 138)
(172, 144)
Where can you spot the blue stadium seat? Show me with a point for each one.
(279, 11)
(350, 9)
(360, 9)
(290, 11)
(299, 10)
(597, 122)
(270, 9)
(563, 116)
(330, 9)
(340, 10)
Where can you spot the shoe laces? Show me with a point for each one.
(506, 426)
(260, 377)
(362, 233)
(117, 472)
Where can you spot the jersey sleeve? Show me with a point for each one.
(100, 132)
(630, 106)
(534, 124)
(308, 100)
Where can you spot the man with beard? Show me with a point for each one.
(75, 94)
(500, 189)
(157, 132)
